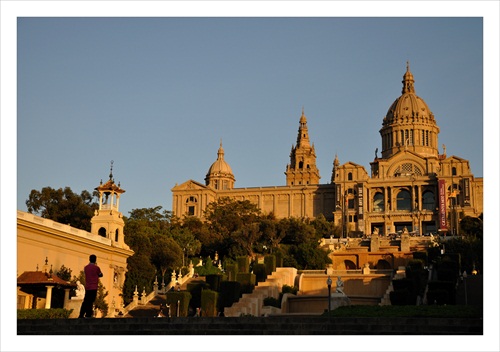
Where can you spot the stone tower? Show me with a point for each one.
(219, 175)
(108, 220)
(302, 169)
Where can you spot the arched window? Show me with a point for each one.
(116, 235)
(378, 202)
(349, 176)
(428, 201)
(102, 232)
(301, 164)
(403, 200)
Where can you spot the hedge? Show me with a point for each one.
(209, 303)
(214, 281)
(195, 289)
(231, 270)
(243, 264)
(270, 263)
(52, 313)
(260, 272)
(184, 297)
(230, 292)
(247, 281)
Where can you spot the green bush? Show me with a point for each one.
(437, 296)
(183, 298)
(230, 292)
(53, 313)
(279, 260)
(273, 302)
(209, 303)
(421, 256)
(231, 270)
(448, 270)
(247, 281)
(401, 297)
(260, 272)
(195, 289)
(289, 289)
(270, 263)
(214, 281)
(243, 264)
(448, 286)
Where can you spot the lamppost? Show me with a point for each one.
(329, 283)
(464, 278)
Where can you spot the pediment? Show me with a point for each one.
(189, 185)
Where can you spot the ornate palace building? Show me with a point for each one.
(411, 185)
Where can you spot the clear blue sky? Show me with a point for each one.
(156, 95)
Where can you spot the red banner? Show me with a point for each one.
(442, 204)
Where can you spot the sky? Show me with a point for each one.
(157, 95)
(156, 87)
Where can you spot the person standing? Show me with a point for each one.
(92, 275)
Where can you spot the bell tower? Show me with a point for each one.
(302, 169)
(108, 221)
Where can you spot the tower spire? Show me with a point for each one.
(302, 169)
(408, 80)
(111, 171)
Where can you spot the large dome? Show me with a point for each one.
(409, 123)
(408, 107)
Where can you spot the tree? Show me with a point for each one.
(245, 238)
(186, 240)
(224, 217)
(140, 274)
(165, 253)
(64, 206)
(296, 231)
(472, 226)
(324, 229)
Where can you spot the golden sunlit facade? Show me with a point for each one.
(410, 185)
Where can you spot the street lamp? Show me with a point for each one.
(464, 278)
(329, 283)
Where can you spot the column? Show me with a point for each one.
(48, 297)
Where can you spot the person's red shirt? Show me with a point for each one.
(92, 275)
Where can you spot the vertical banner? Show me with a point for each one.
(442, 204)
(466, 188)
(360, 201)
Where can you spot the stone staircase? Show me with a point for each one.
(253, 303)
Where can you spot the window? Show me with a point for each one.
(116, 235)
(102, 232)
(349, 176)
(301, 164)
(428, 201)
(403, 200)
(190, 210)
(378, 202)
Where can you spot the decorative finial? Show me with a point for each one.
(111, 171)
(407, 65)
(302, 110)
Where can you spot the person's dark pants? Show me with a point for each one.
(88, 303)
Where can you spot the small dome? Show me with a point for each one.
(220, 167)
